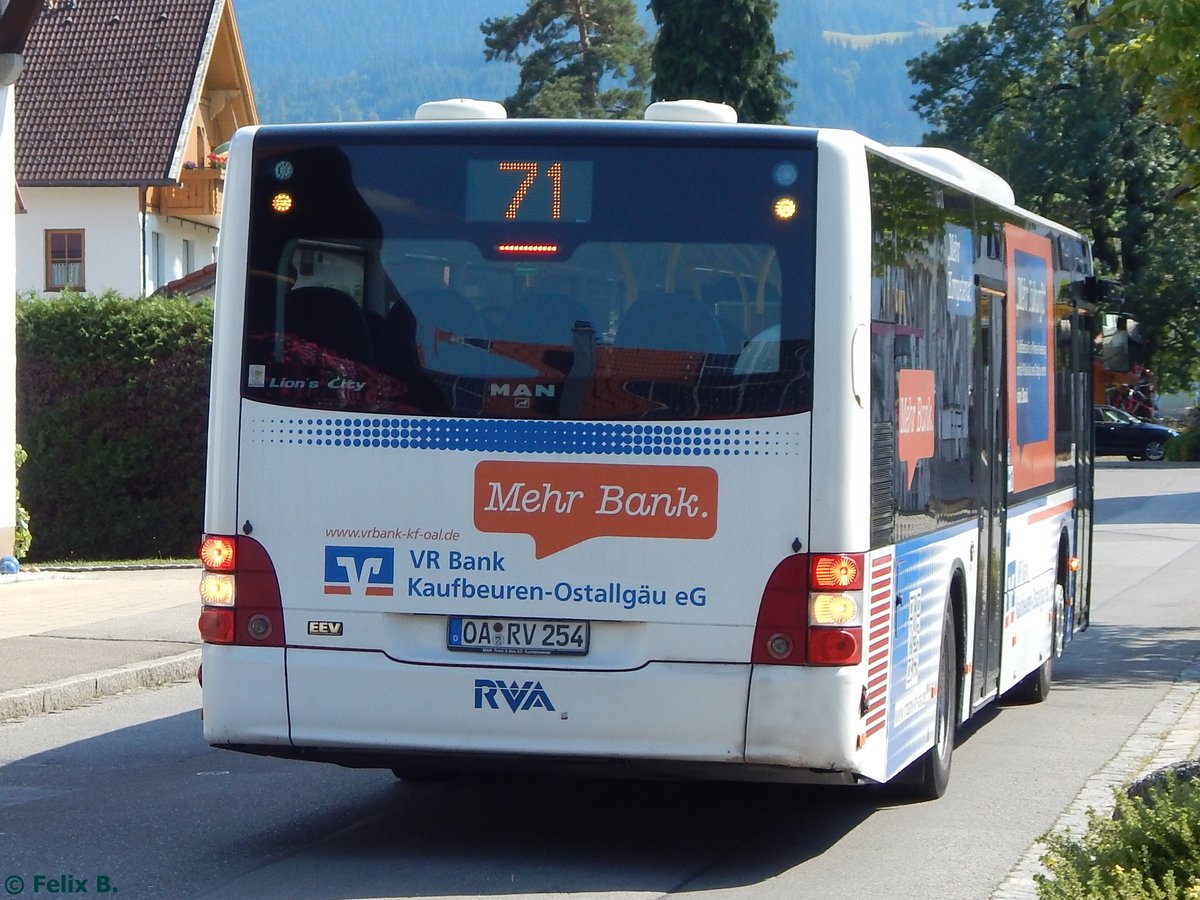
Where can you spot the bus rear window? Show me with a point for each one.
(528, 291)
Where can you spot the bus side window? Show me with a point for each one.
(330, 318)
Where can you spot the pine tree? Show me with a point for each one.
(724, 51)
(589, 58)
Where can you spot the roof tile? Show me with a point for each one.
(106, 88)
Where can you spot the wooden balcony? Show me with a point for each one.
(198, 195)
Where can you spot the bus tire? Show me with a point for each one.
(1034, 687)
(928, 777)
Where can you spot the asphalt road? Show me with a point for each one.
(125, 794)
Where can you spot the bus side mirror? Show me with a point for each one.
(1104, 291)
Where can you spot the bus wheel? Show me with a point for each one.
(927, 778)
(1034, 687)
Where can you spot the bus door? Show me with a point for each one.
(1081, 330)
(991, 481)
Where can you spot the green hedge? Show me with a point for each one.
(1186, 447)
(21, 537)
(1149, 849)
(112, 407)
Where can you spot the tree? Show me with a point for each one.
(1025, 95)
(590, 58)
(1152, 44)
(723, 51)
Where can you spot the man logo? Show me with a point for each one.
(521, 391)
(360, 571)
(518, 697)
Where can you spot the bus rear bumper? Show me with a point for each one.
(692, 720)
(245, 694)
(365, 701)
(801, 716)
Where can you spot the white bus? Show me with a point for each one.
(667, 447)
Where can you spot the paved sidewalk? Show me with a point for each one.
(68, 638)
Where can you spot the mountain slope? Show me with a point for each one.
(379, 59)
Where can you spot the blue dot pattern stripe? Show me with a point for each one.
(530, 436)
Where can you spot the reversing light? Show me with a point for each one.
(837, 571)
(217, 589)
(833, 609)
(282, 202)
(217, 554)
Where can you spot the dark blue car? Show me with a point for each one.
(1120, 434)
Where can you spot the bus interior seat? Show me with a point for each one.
(725, 298)
(537, 318)
(374, 328)
(330, 318)
(437, 310)
(661, 321)
(733, 333)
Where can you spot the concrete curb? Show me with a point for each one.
(82, 689)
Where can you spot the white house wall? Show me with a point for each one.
(112, 240)
(172, 232)
(119, 249)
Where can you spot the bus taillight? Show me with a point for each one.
(811, 612)
(216, 626)
(240, 594)
(781, 632)
(835, 609)
(834, 646)
(833, 571)
(218, 553)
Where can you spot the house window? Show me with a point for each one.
(64, 260)
(189, 258)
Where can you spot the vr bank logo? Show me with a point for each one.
(518, 697)
(360, 571)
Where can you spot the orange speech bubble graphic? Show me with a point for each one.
(915, 435)
(563, 504)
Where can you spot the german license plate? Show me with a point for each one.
(490, 635)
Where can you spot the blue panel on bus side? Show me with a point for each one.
(922, 584)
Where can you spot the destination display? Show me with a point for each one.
(529, 190)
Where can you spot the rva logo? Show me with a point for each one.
(360, 571)
(519, 697)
